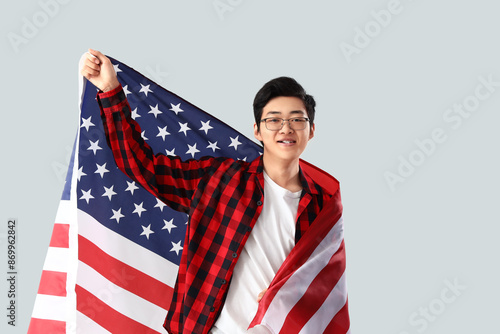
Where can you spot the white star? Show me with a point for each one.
(135, 114)
(234, 143)
(147, 231)
(131, 187)
(213, 146)
(101, 169)
(143, 135)
(86, 195)
(160, 204)
(177, 108)
(80, 173)
(145, 89)
(86, 123)
(205, 126)
(109, 192)
(117, 215)
(192, 150)
(94, 146)
(117, 69)
(169, 225)
(171, 153)
(184, 128)
(155, 111)
(126, 91)
(163, 132)
(176, 247)
(139, 209)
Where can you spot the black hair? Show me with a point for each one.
(282, 86)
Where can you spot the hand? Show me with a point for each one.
(261, 294)
(97, 68)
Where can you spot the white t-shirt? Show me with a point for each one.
(269, 243)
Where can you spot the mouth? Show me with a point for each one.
(287, 141)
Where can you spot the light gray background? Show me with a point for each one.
(439, 225)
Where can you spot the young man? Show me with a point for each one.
(244, 217)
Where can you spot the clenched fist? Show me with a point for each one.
(97, 68)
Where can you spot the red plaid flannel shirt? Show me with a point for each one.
(223, 198)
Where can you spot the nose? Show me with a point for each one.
(286, 128)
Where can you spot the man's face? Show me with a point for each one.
(287, 143)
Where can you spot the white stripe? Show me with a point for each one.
(127, 251)
(120, 299)
(295, 287)
(86, 325)
(65, 212)
(332, 305)
(57, 259)
(50, 308)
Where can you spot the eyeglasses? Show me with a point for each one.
(276, 123)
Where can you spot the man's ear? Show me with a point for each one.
(256, 132)
(311, 132)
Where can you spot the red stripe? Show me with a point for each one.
(340, 323)
(44, 326)
(105, 316)
(53, 283)
(316, 293)
(60, 236)
(322, 225)
(123, 275)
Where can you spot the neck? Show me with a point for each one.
(283, 173)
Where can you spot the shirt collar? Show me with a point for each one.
(308, 185)
(257, 166)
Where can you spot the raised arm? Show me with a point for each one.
(169, 178)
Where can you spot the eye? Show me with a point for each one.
(298, 120)
(274, 120)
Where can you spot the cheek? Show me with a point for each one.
(266, 137)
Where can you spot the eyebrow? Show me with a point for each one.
(293, 112)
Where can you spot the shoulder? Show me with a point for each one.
(317, 181)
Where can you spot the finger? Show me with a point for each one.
(100, 57)
(89, 71)
(91, 56)
(85, 74)
(92, 64)
(259, 297)
(92, 59)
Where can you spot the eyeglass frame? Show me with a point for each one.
(283, 120)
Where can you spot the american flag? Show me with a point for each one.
(308, 295)
(115, 248)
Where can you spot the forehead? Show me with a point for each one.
(284, 105)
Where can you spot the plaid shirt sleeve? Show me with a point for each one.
(168, 178)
